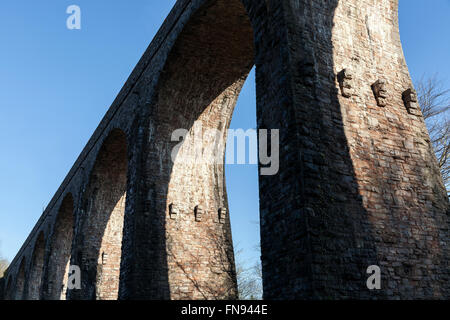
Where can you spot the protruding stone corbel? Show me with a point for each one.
(411, 103)
(173, 211)
(50, 286)
(307, 70)
(84, 260)
(379, 89)
(345, 78)
(222, 215)
(198, 213)
(104, 258)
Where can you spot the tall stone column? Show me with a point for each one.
(359, 184)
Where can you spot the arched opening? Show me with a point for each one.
(8, 289)
(36, 271)
(243, 195)
(61, 244)
(215, 52)
(20, 281)
(104, 205)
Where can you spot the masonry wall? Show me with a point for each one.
(99, 242)
(358, 183)
(197, 92)
(56, 274)
(35, 278)
(2, 288)
(368, 188)
(395, 168)
(19, 285)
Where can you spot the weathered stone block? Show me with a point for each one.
(198, 211)
(345, 78)
(411, 103)
(380, 92)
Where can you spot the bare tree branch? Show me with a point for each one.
(249, 278)
(434, 100)
(220, 261)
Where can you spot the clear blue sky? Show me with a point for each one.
(56, 85)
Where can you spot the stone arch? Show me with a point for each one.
(8, 286)
(36, 269)
(337, 204)
(20, 281)
(60, 251)
(104, 209)
(215, 52)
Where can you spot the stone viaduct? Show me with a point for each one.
(358, 183)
